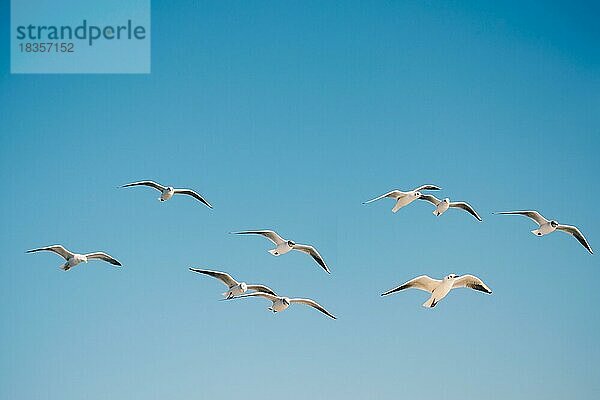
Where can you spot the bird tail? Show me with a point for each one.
(537, 232)
(274, 252)
(398, 206)
(430, 303)
(436, 213)
(65, 266)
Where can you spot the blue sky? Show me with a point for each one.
(287, 115)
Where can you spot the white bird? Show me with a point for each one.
(440, 288)
(548, 226)
(441, 206)
(235, 288)
(404, 198)
(168, 191)
(73, 258)
(284, 246)
(281, 303)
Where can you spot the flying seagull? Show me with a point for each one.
(73, 258)
(549, 226)
(441, 206)
(404, 198)
(281, 303)
(168, 191)
(284, 246)
(235, 288)
(440, 288)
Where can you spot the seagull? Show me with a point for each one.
(281, 303)
(73, 258)
(549, 226)
(235, 288)
(440, 288)
(442, 205)
(284, 246)
(168, 191)
(404, 198)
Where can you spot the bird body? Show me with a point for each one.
(284, 246)
(440, 292)
(281, 303)
(403, 198)
(235, 288)
(74, 259)
(167, 192)
(441, 206)
(547, 226)
(440, 288)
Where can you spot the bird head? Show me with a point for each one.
(417, 194)
(243, 286)
(286, 301)
(451, 276)
(170, 188)
(446, 200)
(291, 243)
(553, 223)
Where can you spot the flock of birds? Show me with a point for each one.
(438, 288)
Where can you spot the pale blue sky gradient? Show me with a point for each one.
(287, 115)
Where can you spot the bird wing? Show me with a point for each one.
(58, 249)
(394, 194)
(422, 282)
(267, 296)
(472, 282)
(271, 235)
(465, 206)
(104, 257)
(427, 187)
(151, 184)
(195, 195)
(310, 250)
(313, 304)
(222, 276)
(262, 288)
(573, 230)
(534, 215)
(430, 198)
